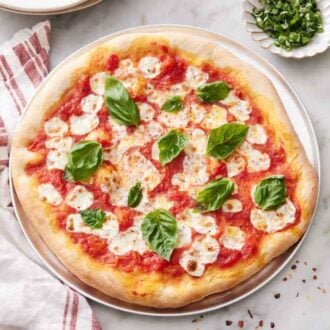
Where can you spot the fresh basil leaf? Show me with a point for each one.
(225, 139)
(213, 92)
(84, 159)
(135, 195)
(270, 193)
(121, 106)
(170, 146)
(93, 218)
(215, 193)
(174, 104)
(160, 231)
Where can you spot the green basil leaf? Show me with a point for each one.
(160, 231)
(121, 106)
(135, 195)
(84, 159)
(215, 193)
(213, 92)
(270, 193)
(174, 104)
(93, 218)
(225, 139)
(170, 146)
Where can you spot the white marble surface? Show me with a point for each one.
(301, 305)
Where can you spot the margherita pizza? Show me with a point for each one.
(161, 169)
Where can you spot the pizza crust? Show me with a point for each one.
(157, 289)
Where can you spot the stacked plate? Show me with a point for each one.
(45, 7)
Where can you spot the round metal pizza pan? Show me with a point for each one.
(304, 129)
(54, 11)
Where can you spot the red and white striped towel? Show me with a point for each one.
(30, 297)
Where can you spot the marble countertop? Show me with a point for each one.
(303, 300)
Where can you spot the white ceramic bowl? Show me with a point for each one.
(319, 44)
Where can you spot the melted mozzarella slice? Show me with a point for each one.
(196, 112)
(110, 227)
(59, 143)
(191, 264)
(232, 206)
(92, 103)
(119, 131)
(256, 160)
(155, 96)
(56, 127)
(129, 240)
(214, 118)
(241, 110)
(147, 112)
(150, 67)
(49, 194)
(207, 248)
(97, 83)
(174, 120)
(235, 164)
(126, 68)
(272, 221)
(195, 76)
(57, 159)
(81, 125)
(184, 235)
(197, 141)
(80, 198)
(256, 134)
(234, 238)
(180, 89)
(75, 223)
(203, 224)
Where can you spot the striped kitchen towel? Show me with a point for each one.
(31, 298)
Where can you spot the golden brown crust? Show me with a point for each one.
(155, 289)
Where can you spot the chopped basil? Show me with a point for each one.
(270, 193)
(173, 104)
(160, 231)
(84, 159)
(291, 23)
(215, 193)
(135, 195)
(120, 105)
(213, 92)
(223, 140)
(93, 218)
(170, 146)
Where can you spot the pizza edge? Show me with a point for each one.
(160, 290)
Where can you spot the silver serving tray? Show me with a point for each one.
(304, 129)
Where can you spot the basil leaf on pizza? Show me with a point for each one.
(93, 218)
(160, 231)
(135, 195)
(173, 104)
(121, 107)
(270, 193)
(224, 140)
(214, 195)
(213, 92)
(84, 159)
(170, 146)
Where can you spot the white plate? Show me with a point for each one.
(305, 132)
(40, 5)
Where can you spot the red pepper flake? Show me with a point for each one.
(315, 277)
(293, 267)
(272, 325)
(285, 279)
(297, 261)
(305, 263)
(229, 323)
(297, 295)
(261, 323)
(314, 269)
(303, 280)
(277, 295)
(250, 314)
(240, 324)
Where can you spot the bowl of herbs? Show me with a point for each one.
(290, 28)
